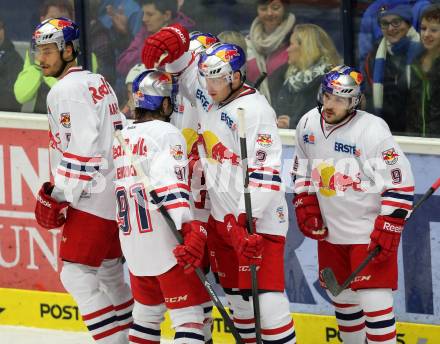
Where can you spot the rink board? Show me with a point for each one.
(59, 311)
(29, 261)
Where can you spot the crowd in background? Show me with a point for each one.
(289, 45)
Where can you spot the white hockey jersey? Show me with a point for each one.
(357, 170)
(185, 118)
(83, 113)
(224, 178)
(146, 240)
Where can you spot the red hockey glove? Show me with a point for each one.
(245, 245)
(48, 209)
(173, 39)
(386, 234)
(190, 254)
(308, 216)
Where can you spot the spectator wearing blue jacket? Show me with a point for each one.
(388, 65)
(370, 32)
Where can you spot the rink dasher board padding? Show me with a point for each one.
(59, 311)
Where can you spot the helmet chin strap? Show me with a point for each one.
(61, 70)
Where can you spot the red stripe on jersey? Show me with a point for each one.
(73, 175)
(381, 337)
(277, 330)
(397, 204)
(266, 186)
(266, 169)
(177, 205)
(126, 326)
(302, 183)
(343, 305)
(81, 158)
(98, 313)
(407, 188)
(378, 313)
(106, 333)
(133, 339)
(244, 321)
(351, 328)
(249, 340)
(173, 186)
(124, 305)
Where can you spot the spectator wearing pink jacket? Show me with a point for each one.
(157, 14)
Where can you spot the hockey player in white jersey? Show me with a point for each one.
(83, 112)
(186, 119)
(219, 93)
(354, 189)
(159, 280)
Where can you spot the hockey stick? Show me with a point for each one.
(208, 286)
(327, 273)
(428, 193)
(249, 222)
(260, 80)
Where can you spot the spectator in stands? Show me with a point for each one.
(31, 86)
(157, 13)
(123, 18)
(312, 53)
(128, 109)
(267, 43)
(388, 66)
(423, 106)
(370, 32)
(101, 45)
(234, 37)
(10, 65)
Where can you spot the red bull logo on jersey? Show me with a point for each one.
(65, 119)
(139, 148)
(280, 214)
(390, 156)
(330, 182)
(99, 93)
(177, 152)
(264, 140)
(227, 55)
(217, 151)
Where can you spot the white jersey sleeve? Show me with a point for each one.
(301, 171)
(264, 158)
(392, 173)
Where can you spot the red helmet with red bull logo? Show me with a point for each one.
(342, 81)
(200, 41)
(59, 31)
(151, 87)
(223, 59)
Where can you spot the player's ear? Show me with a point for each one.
(68, 51)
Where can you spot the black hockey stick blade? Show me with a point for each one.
(330, 279)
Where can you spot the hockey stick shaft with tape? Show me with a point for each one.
(249, 221)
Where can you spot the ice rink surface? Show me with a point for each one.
(27, 335)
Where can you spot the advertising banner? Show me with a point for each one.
(28, 254)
